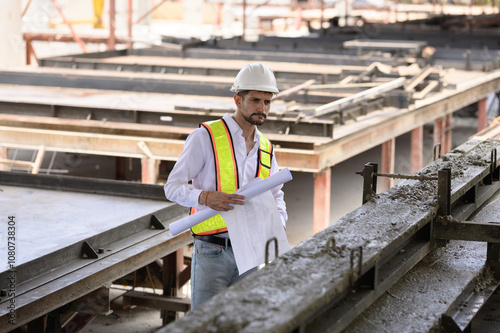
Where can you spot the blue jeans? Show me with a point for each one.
(213, 269)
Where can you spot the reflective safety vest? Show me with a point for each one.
(226, 169)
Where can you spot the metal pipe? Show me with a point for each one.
(111, 39)
(129, 23)
(70, 26)
(26, 8)
(244, 19)
(149, 12)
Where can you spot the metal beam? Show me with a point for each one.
(347, 141)
(327, 109)
(467, 230)
(156, 301)
(84, 185)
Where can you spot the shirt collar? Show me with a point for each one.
(235, 129)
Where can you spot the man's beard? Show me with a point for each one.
(255, 122)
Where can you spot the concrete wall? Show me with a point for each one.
(12, 46)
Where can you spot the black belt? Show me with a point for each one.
(214, 240)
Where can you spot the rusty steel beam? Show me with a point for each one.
(65, 38)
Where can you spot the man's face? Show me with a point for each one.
(255, 106)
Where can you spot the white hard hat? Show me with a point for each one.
(255, 77)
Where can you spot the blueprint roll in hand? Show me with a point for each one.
(252, 189)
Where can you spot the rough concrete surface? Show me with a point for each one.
(306, 278)
(49, 220)
(415, 303)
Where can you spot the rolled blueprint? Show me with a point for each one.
(250, 190)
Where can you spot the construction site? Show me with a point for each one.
(387, 117)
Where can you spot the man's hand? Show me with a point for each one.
(220, 201)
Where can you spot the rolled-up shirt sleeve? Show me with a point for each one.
(279, 195)
(187, 167)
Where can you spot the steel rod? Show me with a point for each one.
(399, 176)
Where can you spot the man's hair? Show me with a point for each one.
(243, 93)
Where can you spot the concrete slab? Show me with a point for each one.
(47, 221)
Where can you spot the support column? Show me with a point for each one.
(482, 118)
(120, 168)
(150, 170)
(438, 131)
(387, 165)
(38, 325)
(417, 143)
(129, 23)
(172, 268)
(446, 146)
(112, 38)
(322, 195)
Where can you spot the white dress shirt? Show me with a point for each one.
(196, 164)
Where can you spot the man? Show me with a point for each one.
(218, 158)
